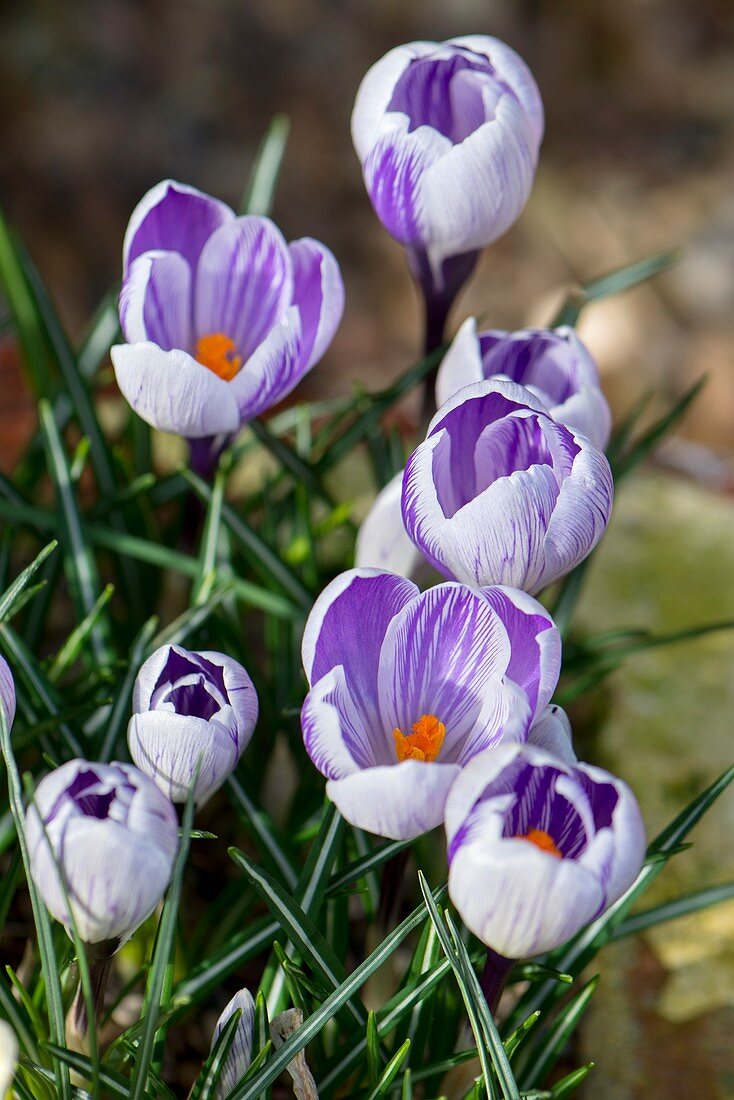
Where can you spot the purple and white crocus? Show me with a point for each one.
(222, 317)
(407, 687)
(113, 835)
(191, 710)
(499, 493)
(552, 363)
(7, 692)
(448, 136)
(538, 848)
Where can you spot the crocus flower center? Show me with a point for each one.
(424, 743)
(217, 352)
(542, 840)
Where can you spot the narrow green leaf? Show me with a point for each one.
(104, 331)
(162, 958)
(623, 278)
(541, 1056)
(374, 1057)
(11, 595)
(209, 550)
(25, 313)
(205, 1085)
(27, 668)
(568, 1084)
(44, 935)
(647, 443)
(673, 910)
(81, 569)
(71, 648)
(260, 192)
(390, 1072)
(115, 717)
(263, 831)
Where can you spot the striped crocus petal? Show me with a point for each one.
(7, 692)
(239, 1056)
(498, 493)
(538, 847)
(552, 363)
(173, 217)
(407, 687)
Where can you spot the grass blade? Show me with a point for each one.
(260, 192)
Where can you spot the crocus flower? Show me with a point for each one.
(552, 363)
(190, 709)
(8, 1057)
(221, 316)
(499, 493)
(538, 848)
(448, 135)
(406, 687)
(114, 837)
(7, 692)
(239, 1056)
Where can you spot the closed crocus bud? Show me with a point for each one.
(499, 493)
(239, 1056)
(7, 692)
(114, 836)
(407, 687)
(190, 709)
(538, 848)
(222, 317)
(552, 363)
(448, 135)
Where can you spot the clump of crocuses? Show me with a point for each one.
(193, 717)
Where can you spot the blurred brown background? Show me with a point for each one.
(102, 98)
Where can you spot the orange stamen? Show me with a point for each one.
(542, 840)
(216, 352)
(424, 743)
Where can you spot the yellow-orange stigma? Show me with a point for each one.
(216, 352)
(424, 743)
(542, 840)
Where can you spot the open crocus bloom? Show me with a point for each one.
(188, 709)
(499, 493)
(448, 135)
(538, 848)
(406, 687)
(113, 834)
(552, 363)
(221, 316)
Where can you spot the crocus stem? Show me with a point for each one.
(391, 889)
(99, 961)
(496, 972)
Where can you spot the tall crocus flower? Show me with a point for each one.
(113, 835)
(407, 687)
(7, 691)
(239, 1056)
(221, 316)
(448, 135)
(191, 710)
(552, 363)
(8, 1058)
(499, 493)
(538, 848)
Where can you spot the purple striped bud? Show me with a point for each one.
(552, 363)
(448, 136)
(188, 709)
(114, 837)
(538, 848)
(498, 493)
(239, 1057)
